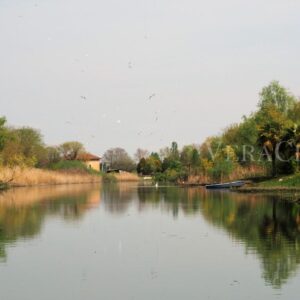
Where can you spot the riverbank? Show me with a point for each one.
(121, 177)
(21, 177)
(289, 183)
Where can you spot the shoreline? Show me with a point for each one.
(19, 177)
(258, 189)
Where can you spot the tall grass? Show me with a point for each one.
(30, 177)
(122, 177)
(238, 173)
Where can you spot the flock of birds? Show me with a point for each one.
(84, 98)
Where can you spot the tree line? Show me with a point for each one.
(25, 147)
(266, 142)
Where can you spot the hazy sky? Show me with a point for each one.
(85, 69)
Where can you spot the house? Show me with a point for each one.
(92, 161)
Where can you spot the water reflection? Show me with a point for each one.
(266, 226)
(23, 210)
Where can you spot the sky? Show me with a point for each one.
(142, 73)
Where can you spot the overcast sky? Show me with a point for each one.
(142, 73)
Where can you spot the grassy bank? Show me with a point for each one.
(121, 177)
(289, 183)
(32, 177)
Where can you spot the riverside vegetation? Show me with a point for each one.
(264, 144)
(26, 160)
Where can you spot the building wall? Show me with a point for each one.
(93, 164)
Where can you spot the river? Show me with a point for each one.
(127, 241)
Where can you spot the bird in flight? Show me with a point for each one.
(151, 96)
(83, 97)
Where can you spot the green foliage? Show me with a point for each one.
(69, 165)
(70, 150)
(52, 155)
(109, 177)
(150, 165)
(272, 128)
(23, 147)
(276, 95)
(74, 166)
(223, 164)
(3, 132)
(285, 181)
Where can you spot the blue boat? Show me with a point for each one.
(226, 185)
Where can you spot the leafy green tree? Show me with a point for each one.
(174, 151)
(53, 155)
(70, 150)
(224, 163)
(242, 137)
(23, 147)
(186, 155)
(141, 166)
(272, 128)
(31, 142)
(195, 160)
(190, 158)
(150, 165)
(276, 95)
(294, 113)
(3, 132)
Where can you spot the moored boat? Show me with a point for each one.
(226, 185)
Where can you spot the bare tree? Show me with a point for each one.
(140, 153)
(164, 153)
(118, 158)
(70, 150)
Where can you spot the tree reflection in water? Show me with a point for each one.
(266, 225)
(23, 210)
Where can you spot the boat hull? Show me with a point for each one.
(226, 185)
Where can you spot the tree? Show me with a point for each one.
(276, 95)
(195, 160)
(174, 151)
(164, 153)
(24, 147)
(31, 142)
(272, 128)
(224, 163)
(3, 132)
(243, 137)
(190, 158)
(294, 113)
(52, 155)
(141, 153)
(118, 158)
(141, 166)
(70, 150)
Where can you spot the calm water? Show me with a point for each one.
(132, 242)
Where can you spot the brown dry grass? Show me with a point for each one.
(30, 177)
(126, 176)
(238, 173)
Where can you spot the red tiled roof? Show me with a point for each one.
(87, 156)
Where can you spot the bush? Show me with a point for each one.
(72, 166)
(171, 175)
(109, 177)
